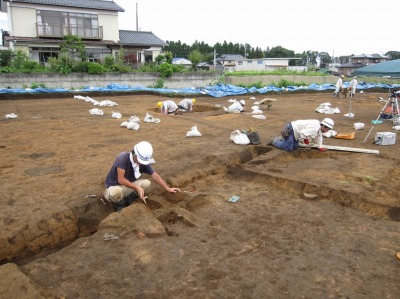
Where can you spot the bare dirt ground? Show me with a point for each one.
(307, 224)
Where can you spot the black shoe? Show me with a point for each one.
(126, 201)
(131, 198)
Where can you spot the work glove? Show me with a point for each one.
(322, 149)
(306, 141)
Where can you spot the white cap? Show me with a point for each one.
(327, 122)
(144, 152)
(242, 102)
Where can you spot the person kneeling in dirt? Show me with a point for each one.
(168, 107)
(303, 131)
(186, 105)
(123, 185)
(236, 107)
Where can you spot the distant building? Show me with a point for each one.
(182, 61)
(234, 62)
(359, 61)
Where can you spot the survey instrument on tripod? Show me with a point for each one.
(390, 111)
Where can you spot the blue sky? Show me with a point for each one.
(338, 27)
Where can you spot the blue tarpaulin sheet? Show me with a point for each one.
(216, 91)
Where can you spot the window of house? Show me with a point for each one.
(240, 62)
(249, 61)
(56, 23)
(259, 61)
(45, 53)
(97, 55)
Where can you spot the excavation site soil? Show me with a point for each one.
(305, 224)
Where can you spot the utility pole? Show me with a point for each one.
(137, 21)
(215, 57)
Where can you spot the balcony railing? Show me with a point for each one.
(51, 30)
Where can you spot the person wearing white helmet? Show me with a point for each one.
(124, 183)
(236, 107)
(302, 131)
(186, 105)
(338, 86)
(353, 86)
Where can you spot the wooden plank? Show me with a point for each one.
(343, 148)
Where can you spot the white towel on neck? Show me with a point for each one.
(135, 166)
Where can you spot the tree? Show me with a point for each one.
(279, 52)
(195, 57)
(168, 57)
(20, 59)
(73, 46)
(325, 58)
(393, 55)
(6, 57)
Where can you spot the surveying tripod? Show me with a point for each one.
(391, 106)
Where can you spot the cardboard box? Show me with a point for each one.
(385, 138)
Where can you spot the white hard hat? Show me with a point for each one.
(144, 152)
(242, 102)
(327, 122)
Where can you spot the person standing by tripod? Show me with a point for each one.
(353, 86)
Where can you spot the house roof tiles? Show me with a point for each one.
(92, 4)
(135, 38)
(370, 56)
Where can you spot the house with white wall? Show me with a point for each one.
(236, 62)
(38, 27)
(182, 61)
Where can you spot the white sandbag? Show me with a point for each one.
(11, 115)
(227, 110)
(359, 126)
(259, 116)
(239, 137)
(96, 111)
(327, 110)
(255, 107)
(79, 97)
(124, 124)
(194, 132)
(150, 119)
(89, 99)
(257, 112)
(134, 119)
(107, 103)
(133, 126)
(116, 115)
(325, 104)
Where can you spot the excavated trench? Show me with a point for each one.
(348, 179)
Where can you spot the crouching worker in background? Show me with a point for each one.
(186, 105)
(123, 183)
(169, 107)
(302, 131)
